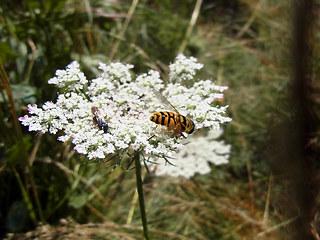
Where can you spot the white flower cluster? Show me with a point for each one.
(71, 78)
(183, 68)
(125, 106)
(194, 157)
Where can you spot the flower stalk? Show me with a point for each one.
(137, 163)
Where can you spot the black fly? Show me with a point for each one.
(100, 121)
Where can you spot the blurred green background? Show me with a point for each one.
(242, 43)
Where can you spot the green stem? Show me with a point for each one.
(123, 28)
(140, 193)
(193, 20)
(26, 197)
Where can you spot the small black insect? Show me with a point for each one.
(100, 121)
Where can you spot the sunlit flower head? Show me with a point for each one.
(125, 105)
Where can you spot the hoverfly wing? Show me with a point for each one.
(164, 101)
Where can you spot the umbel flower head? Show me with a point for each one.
(194, 157)
(124, 105)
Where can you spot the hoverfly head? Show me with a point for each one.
(191, 128)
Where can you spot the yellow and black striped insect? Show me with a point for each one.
(99, 120)
(172, 120)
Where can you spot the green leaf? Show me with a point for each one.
(21, 92)
(6, 52)
(14, 155)
(78, 201)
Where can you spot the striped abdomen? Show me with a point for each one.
(173, 121)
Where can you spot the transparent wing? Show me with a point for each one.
(164, 101)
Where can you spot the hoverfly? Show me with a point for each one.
(97, 119)
(173, 120)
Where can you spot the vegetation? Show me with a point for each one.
(244, 44)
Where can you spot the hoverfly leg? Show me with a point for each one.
(178, 134)
(153, 134)
(151, 137)
(163, 131)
